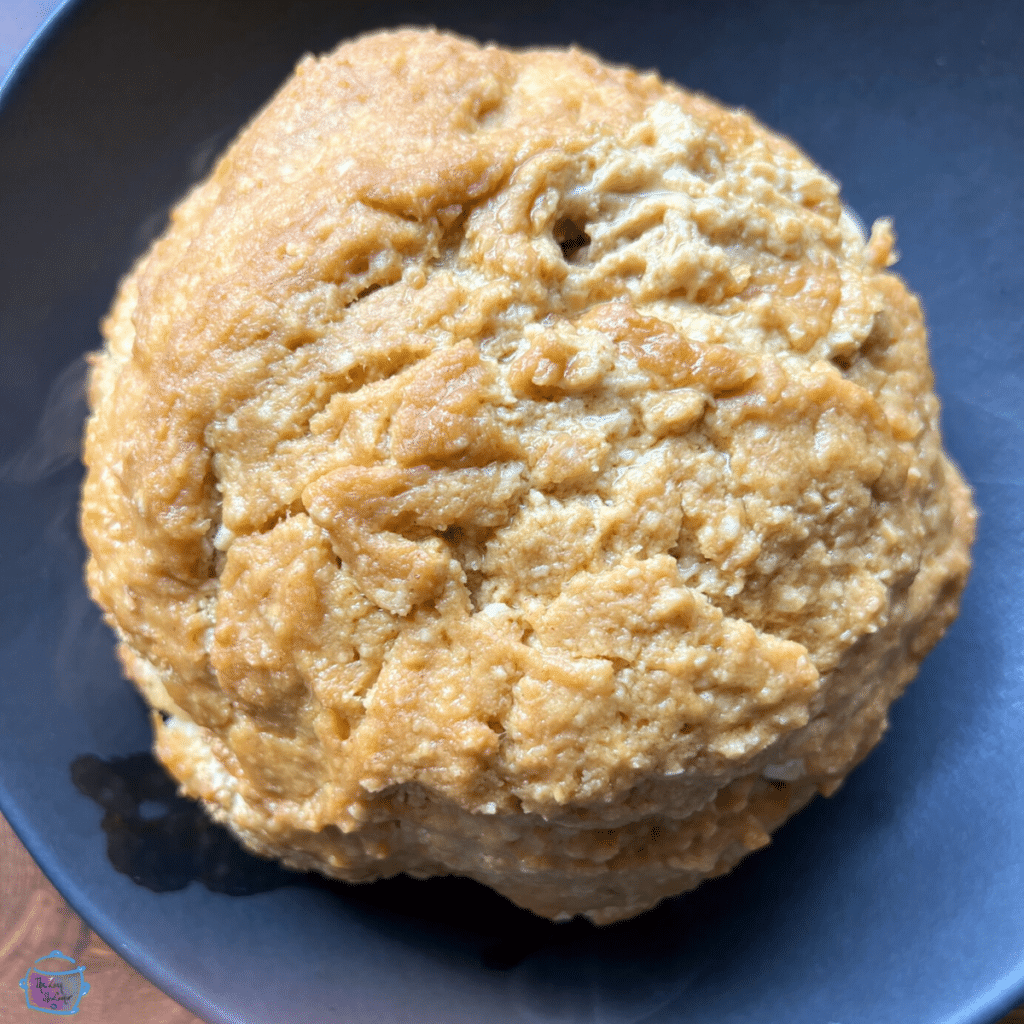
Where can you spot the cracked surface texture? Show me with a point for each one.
(514, 466)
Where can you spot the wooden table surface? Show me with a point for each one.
(35, 920)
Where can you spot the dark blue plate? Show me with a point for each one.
(900, 900)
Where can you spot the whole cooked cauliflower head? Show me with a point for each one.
(514, 466)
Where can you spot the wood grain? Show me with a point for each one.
(35, 920)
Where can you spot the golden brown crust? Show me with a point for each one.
(515, 466)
